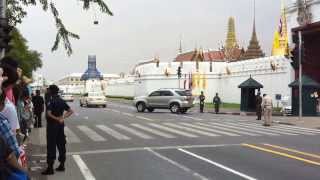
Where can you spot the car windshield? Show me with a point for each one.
(184, 93)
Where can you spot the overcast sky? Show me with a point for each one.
(140, 29)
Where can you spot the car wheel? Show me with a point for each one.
(81, 105)
(141, 107)
(150, 109)
(175, 108)
(104, 106)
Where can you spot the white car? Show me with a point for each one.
(93, 99)
(67, 97)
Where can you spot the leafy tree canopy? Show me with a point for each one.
(29, 60)
(16, 12)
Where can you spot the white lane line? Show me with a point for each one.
(210, 129)
(228, 129)
(128, 114)
(144, 118)
(218, 165)
(181, 133)
(71, 136)
(154, 131)
(245, 129)
(260, 128)
(42, 138)
(112, 132)
(191, 130)
(133, 131)
(184, 168)
(102, 151)
(83, 168)
(91, 134)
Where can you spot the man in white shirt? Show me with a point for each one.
(267, 106)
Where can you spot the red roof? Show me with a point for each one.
(208, 56)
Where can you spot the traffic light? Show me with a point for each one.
(294, 55)
(179, 72)
(5, 36)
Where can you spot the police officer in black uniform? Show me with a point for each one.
(201, 98)
(57, 111)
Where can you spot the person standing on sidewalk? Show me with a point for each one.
(57, 111)
(258, 106)
(202, 98)
(216, 102)
(38, 104)
(267, 106)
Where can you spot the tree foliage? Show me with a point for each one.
(16, 12)
(29, 60)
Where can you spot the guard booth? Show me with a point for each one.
(310, 95)
(248, 95)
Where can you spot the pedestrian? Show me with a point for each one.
(47, 97)
(258, 106)
(57, 111)
(38, 108)
(202, 98)
(267, 106)
(216, 102)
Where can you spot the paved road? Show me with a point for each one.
(117, 143)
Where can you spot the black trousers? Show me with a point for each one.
(259, 114)
(216, 108)
(55, 139)
(201, 107)
(38, 119)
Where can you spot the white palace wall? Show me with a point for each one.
(149, 77)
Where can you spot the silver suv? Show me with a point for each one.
(177, 100)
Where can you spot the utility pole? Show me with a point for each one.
(300, 75)
(3, 7)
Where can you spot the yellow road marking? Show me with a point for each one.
(281, 154)
(294, 151)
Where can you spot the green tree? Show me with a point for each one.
(16, 12)
(29, 60)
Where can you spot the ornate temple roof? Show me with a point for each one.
(254, 49)
(231, 41)
(207, 56)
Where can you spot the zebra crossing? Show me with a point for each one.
(149, 131)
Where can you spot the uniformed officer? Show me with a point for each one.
(267, 106)
(57, 112)
(216, 102)
(202, 98)
(258, 106)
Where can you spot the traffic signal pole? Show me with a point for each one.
(3, 7)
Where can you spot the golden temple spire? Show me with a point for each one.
(231, 41)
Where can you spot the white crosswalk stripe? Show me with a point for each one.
(71, 136)
(245, 129)
(229, 130)
(154, 131)
(282, 130)
(91, 134)
(133, 131)
(181, 133)
(265, 129)
(301, 129)
(191, 130)
(210, 129)
(113, 133)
